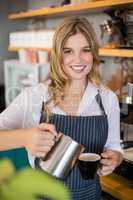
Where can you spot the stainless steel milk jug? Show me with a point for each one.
(62, 157)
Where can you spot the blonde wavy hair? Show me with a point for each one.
(58, 78)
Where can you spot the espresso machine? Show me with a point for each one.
(126, 119)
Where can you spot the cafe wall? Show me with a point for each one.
(6, 26)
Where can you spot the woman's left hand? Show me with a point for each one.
(110, 160)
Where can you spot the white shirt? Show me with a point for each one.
(25, 110)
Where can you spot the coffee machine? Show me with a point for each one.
(126, 105)
(126, 118)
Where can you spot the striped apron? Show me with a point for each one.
(90, 131)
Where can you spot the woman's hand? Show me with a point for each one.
(39, 140)
(110, 160)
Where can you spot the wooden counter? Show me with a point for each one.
(117, 186)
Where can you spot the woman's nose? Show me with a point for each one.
(77, 57)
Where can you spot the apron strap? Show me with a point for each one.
(41, 118)
(99, 101)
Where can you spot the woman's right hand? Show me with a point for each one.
(39, 140)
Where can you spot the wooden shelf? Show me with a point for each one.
(31, 48)
(117, 186)
(67, 9)
(116, 52)
(102, 51)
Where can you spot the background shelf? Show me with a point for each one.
(31, 48)
(67, 9)
(116, 52)
(102, 51)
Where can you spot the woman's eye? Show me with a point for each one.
(67, 51)
(86, 50)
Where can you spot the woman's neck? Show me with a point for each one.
(76, 87)
(73, 94)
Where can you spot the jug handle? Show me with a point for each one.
(57, 140)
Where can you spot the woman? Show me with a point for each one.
(74, 102)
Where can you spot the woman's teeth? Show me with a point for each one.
(78, 68)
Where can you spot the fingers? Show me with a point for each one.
(42, 148)
(44, 142)
(45, 138)
(48, 127)
(42, 139)
(110, 160)
(105, 170)
(111, 157)
(41, 151)
(108, 153)
(45, 135)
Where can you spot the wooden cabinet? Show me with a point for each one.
(117, 186)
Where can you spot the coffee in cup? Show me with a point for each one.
(88, 164)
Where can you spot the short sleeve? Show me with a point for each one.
(14, 115)
(24, 111)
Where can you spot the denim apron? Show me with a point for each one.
(90, 131)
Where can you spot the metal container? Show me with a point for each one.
(62, 157)
(129, 98)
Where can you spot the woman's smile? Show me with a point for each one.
(78, 68)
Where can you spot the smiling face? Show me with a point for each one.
(71, 61)
(77, 57)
